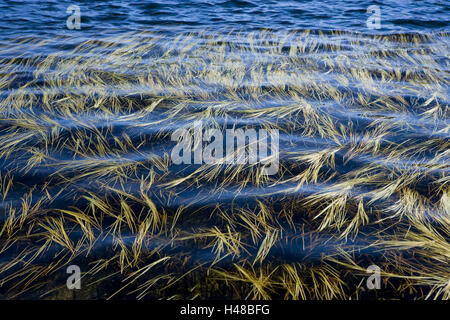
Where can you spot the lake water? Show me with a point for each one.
(91, 93)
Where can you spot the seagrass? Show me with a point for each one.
(86, 176)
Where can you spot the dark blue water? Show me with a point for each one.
(99, 17)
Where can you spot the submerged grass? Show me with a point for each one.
(86, 176)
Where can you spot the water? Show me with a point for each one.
(49, 18)
(86, 175)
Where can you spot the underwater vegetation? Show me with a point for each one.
(86, 176)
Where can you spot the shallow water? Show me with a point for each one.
(86, 118)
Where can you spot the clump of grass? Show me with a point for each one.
(86, 176)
